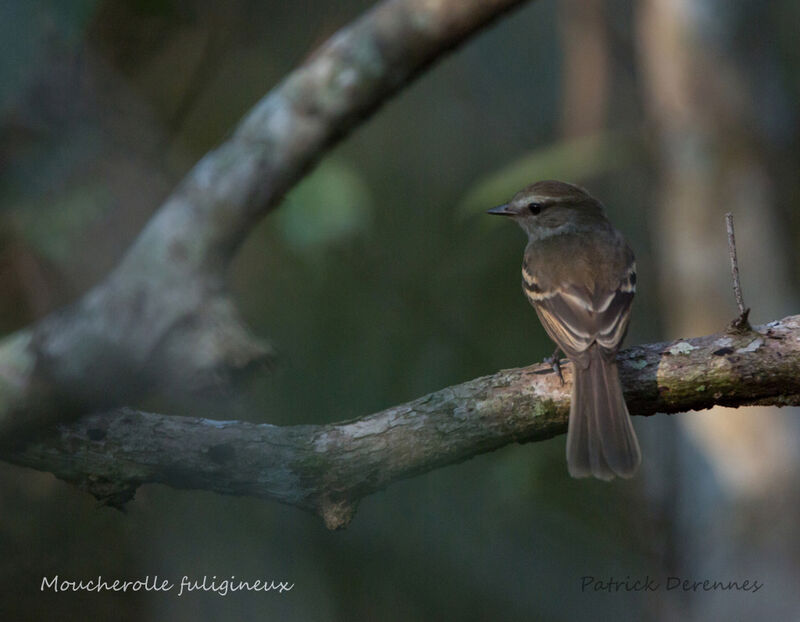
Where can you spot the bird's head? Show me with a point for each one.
(547, 207)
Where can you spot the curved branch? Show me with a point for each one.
(164, 317)
(328, 468)
(315, 106)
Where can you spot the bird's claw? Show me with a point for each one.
(555, 363)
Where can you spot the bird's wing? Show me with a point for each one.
(575, 317)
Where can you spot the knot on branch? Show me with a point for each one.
(211, 349)
(741, 324)
(110, 493)
(338, 513)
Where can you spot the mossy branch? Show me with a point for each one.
(327, 469)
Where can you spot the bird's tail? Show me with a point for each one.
(601, 440)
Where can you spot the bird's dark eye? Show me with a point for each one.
(534, 208)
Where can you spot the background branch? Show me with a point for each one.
(164, 318)
(328, 468)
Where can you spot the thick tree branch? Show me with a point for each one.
(328, 468)
(164, 315)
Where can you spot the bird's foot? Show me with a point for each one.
(555, 363)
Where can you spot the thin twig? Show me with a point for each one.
(740, 323)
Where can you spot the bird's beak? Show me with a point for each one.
(502, 210)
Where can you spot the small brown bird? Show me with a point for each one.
(579, 274)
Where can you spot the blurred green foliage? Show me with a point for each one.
(330, 205)
(53, 227)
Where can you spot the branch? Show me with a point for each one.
(327, 469)
(164, 317)
(740, 323)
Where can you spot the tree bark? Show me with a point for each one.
(327, 469)
(164, 317)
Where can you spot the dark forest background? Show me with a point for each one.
(380, 280)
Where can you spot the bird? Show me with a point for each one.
(579, 273)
